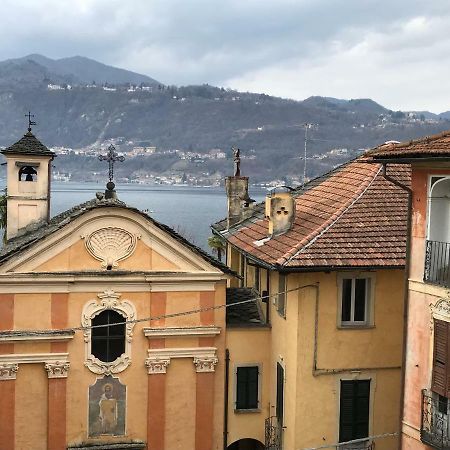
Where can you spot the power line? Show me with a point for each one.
(354, 441)
(177, 314)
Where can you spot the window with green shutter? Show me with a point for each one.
(354, 410)
(247, 381)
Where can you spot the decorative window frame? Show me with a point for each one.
(108, 300)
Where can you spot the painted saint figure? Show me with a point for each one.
(107, 407)
(108, 410)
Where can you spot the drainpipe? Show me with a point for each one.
(225, 404)
(406, 293)
(316, 371)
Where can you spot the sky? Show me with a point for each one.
(396, 52)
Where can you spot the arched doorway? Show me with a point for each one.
(246, 444)
(437, 259)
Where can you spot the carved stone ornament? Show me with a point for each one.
(57, 369)
(205, 364)
(108, 300)
(157, 365)
(110, 245)
(440, 310)
(8, 371)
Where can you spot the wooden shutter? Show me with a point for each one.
(280, 393)
(247, 387)
(354, 410)
(440, 377)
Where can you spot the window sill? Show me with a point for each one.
(355, 326)
(245, 411)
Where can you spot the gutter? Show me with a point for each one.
(406, 291)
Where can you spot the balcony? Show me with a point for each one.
(437, 263)
(272, 434)
(435, 426)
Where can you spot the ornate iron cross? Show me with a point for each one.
(111, 157)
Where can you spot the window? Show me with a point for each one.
(281, 300)
(108, 341)
(354, 410)
(247, 387)
(355, 295)
(108, 348)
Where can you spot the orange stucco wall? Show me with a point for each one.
(421, 297)
(178, 409)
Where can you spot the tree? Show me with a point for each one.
(218, 245)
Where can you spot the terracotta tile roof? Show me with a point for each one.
(28, 145)
(434, 146)
(350, 217)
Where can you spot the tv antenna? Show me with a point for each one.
(307, 126)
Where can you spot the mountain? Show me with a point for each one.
(192, 119)
(34, 69)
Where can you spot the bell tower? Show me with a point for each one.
(28, 163)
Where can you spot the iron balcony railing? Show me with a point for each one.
(437, 263)
(272, 434)
(435, 426)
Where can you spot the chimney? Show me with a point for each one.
(238, 199)
(240, 205)
(280, 211)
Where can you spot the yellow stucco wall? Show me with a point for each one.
(248, 346)
(312, 401)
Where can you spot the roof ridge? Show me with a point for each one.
(310, 239)
(298, 191)
(423, 139)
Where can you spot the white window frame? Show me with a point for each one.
(369, 300)
(235, 387)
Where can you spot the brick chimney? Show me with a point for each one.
(280, 211)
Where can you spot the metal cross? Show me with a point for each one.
(30, 122)
(111, 157)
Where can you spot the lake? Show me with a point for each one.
(188, 210)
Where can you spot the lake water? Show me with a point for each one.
(188, 210)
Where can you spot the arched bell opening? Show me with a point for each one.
(27, 173)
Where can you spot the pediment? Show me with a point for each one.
(109, 239)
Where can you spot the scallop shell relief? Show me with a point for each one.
(110, 245)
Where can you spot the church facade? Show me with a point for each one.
(112, 326)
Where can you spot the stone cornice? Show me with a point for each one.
(130, 282)
(56, 364)
(7, 337)
(32, 358)
(168, 332)
(204, 358)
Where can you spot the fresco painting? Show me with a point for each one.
(107, 406)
